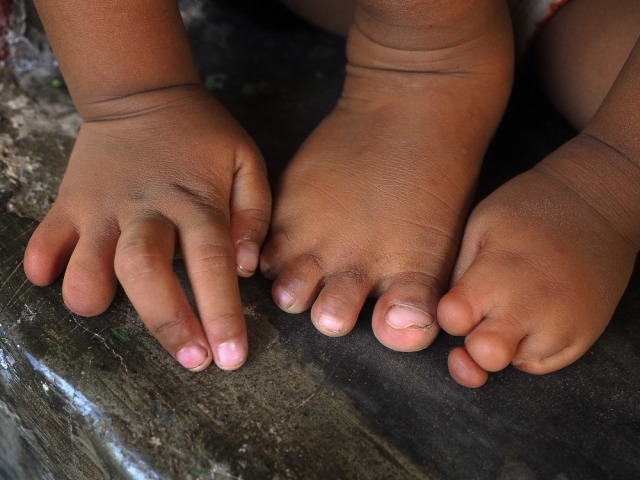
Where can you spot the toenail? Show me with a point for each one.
(331, 324)
(404, 316)
(231, 354)
(192, 357)
(247, 257)
(283, 298)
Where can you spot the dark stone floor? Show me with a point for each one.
(98, 398)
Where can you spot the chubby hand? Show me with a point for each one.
(153, 174)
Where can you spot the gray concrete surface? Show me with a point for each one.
(98, 398)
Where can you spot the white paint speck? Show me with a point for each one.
(17, 103)
(27, 314)
(6, 360)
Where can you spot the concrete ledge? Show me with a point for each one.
(98, 398)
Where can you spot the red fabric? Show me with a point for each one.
(553, 8)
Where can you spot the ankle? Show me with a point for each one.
(466, 51)
(431, 25)
(603, 176)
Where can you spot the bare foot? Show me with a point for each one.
(375, 201)
(169, 168)
(544, 262)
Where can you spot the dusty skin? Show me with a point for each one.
(159, 167)
(177, 173)
(374, 201)
(542, 267)
(373, 204)
(546, 258)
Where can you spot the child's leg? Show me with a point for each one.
(334, 16)
(375, 201)
(581, 51)
(546, 258)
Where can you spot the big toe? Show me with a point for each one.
(404, 318)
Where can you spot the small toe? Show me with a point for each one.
(455, 313)
(493, 305)
(272, 261)
(493, 344)
(464, 370)
(298, 284)
(546, 351)
(339, 303)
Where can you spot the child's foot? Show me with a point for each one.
(543, 264)
(375, 201)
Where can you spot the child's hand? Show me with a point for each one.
(158, 172)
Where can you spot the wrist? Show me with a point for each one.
(140, 102)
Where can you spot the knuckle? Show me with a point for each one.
(253, 222)
(168, 328)
(87, 267)
(225, 321)
(258, 216)
(426, 282)
(212, 257)
(136, 259)
(205, 204)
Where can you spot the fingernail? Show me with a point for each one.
(231, 354)
(192, 357)
(332, 324)
(283, 298)
(247, 257)
(402, 317)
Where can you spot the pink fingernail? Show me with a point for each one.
(192, 356)
(247, 257)
(231, 354)
(402, 317)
